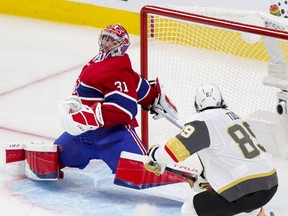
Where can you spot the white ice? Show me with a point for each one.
(39, 63)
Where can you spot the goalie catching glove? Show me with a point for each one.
(162, 103)
(77, 118)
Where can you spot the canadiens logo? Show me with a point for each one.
(77, 84)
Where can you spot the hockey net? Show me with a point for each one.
(188, 46)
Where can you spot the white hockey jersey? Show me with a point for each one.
(235, 164)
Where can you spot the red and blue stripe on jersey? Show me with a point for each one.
(117, 86)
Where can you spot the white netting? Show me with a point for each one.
(184, 54)
(247, 17)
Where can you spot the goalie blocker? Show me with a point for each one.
(37, 161)
(162, 104)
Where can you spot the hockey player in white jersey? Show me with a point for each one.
(240, 172)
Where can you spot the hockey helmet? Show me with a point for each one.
(208, 96)
(113, 41)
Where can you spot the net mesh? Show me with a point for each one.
(185, 54)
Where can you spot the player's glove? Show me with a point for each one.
(155, 167)
(162, 103)
(201, 184)
(77, 118)
(152, 165)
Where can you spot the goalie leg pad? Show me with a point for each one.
(41, 162)
(14, 158)
(131, 173)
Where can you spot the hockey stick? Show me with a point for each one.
(191, 177)
(169, 118)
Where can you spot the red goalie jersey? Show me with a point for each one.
(117, 86)
(102, 124)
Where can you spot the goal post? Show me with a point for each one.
(244, 52)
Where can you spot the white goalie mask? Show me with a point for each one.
(208, 96)
(113, 41)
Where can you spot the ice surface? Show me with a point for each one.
(39, 62)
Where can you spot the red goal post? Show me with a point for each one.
(177, 27)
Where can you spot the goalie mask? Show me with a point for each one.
(208, 96)
(113, 41)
